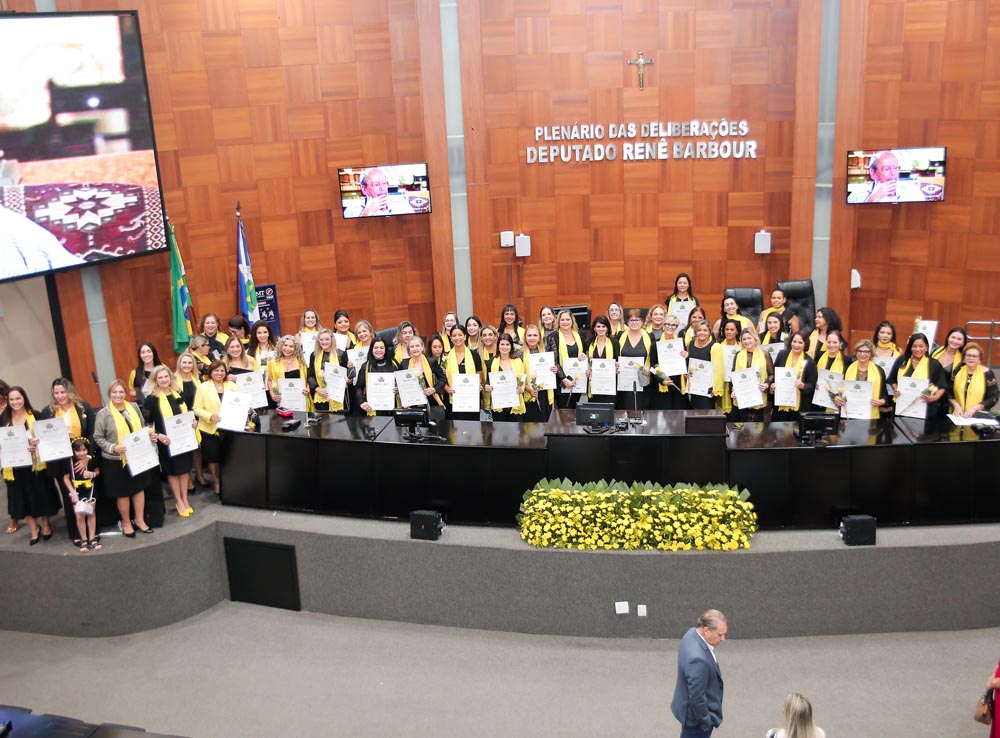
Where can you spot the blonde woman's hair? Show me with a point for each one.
(798, 717)
(155, 391)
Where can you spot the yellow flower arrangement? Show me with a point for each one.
(615, 515)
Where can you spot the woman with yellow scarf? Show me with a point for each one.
(238, 359)
(30, 494)
(207, 403)
(669, 393)
(208, 327)
(796, 360)
(188, 380)
(198, 348)
(434, 379)
(79, 418)
(343, 337)
(949, 356)
(379, 362)
(723, 354)
(460, 360)
(505, 361)
(288, 365)
(326, 353)
(603, 346)
(635, 344)
(162, 404)
(974, 389)
(539, 401)
(863, 369)
(752, 356)
(915, 362)
(401, 341)
(114, 421)
(833, 359)
(568, 345)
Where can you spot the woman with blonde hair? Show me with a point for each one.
(798, 720)
(162, 403)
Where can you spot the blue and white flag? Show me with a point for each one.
(244, 276)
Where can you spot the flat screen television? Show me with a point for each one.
(79, 181)
(386, 189)
(895, 175)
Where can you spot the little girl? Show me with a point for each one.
(81, 494)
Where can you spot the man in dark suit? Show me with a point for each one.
(697, 702)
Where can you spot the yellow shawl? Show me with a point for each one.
(321, 380)
(121, 427)
(757, 361)
(970, 391)
(517, 366)
(799, 365)
(428, 376)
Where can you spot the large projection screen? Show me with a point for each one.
(79, 182)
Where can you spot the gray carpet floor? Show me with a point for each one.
(242, 670)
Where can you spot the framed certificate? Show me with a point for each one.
(702, 377)
(14, 450)
(541, 366)
(630, 374)
(181, 432)
(728, 357)
(909, 403)
(746, 387)
(292, 394)
(53, 440)
(786, 393)
(576, 369)
(465, 398)
(669, 359)
(140, 453)
(234, 410)
(603, 376)
(379, 391)
(504, 392)
(827, 384)
(335, 378)
(859, 400)
(410, 391)
(252, 384)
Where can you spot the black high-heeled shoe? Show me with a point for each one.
(34, 540)
(129, 535)
(46, 537)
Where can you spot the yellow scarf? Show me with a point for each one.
(851, 375)
(838, 363)
(451, 364)
(762, 321)
(759, 362)
(767, 339)
(551, 393)
(121, 427)
(428, 376)
(921, 371)
(8, 472)
(722, 396)
(799, 366)
(970, 391)
(321, 380)
(165, 410)
(517, 366)
(647, 343)
(276, 371)
(75, 426)
(889, 345)
(564, 347)
(203, 363)
(956, 362)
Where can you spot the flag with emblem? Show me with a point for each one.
(244, 276)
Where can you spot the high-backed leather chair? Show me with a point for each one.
(749, 299)
(387, 334)
(801, 301)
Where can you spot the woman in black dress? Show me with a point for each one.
(796, 360)
(188, 380)
(669, 393)
(568, 345)
(379, 362)
(162, 404)
(115, 421)
(79, 418)
(539, 405)
(915, 362)
(700, 349)
(603, 346)
(635, 344)
(29, 491)
(208, 327)
(460, 360)
(325, 354)
(139, 377)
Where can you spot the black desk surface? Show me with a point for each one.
(756, 436)
(562, 422)
(472, 433)
(331, 426)
(939, 430)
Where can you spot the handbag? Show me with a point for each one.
(984, 708)
(84, 507)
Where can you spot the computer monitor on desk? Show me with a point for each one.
(595, 415)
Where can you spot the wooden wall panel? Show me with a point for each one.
(622, 230)
(260, 101)
(928, 73)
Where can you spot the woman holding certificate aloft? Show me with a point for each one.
(326, 354)
(163, 403)
(634, 344)
(568, 345)
(796, 359)
(379, 362)
(602, 347)
(207, 403)
(974, 389)
(79, 418)
(505, 361)
(288, 365)
(700, 349)
(460, 360)
(752, 356)
(432, 375)
(916, 363)
(832, 359)
(721, 361)
(539, 401)
(669, 393)
(863, 369)
(29, 492)
(114, 422)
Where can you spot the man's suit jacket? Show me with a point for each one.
(698, 694)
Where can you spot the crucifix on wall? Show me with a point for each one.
(641, 63)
